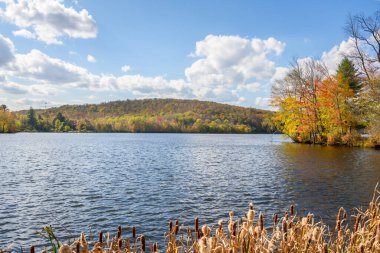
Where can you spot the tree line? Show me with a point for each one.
(341, 108)
(147, 115)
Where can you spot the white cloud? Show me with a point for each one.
(226, 76)
(279, 74)
(48, 20)
(334, 56)
(7, 50)
(91, 58)
(262, 101)
(126, 68)
(13, 88)
(231, 62)
(24, 33)
(35, 89)
(38, 67)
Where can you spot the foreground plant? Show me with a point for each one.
(253, 233)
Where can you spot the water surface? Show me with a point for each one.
(89, 182)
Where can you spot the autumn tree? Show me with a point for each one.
(313, 105)
(8, 121)
(297, 100)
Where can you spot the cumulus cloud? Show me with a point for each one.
(231, 62)
(228, 68)
(91, 58)
(334, 56)
(41, 74)
(39, 67)
(330, 59)
(126, 68)
(47, 21)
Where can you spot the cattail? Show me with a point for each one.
(142, 242)
(337, 221)
(176, 227)
(325, 249)
(78, 247)
(219, 230)
(357, 222)
(118, 232)
(286, 215)
(338, 226)
(234, 229)
(309, 218)
(32, 250)
(155, 247)
(361, 248)
(291, 210)
(206, 230)
(197, 228)
(290, 224)
(285, 230)
(133, 232)
(101, 237)
(275, 218)
(250, 215)
(261, 218)
(120, 244)
(170, 227)
(284, 226)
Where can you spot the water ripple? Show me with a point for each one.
(98, 181)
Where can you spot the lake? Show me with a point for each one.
(92, 182)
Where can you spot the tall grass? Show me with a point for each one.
(254, 233)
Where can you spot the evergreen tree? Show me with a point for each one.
(31, 119)
(349, 74)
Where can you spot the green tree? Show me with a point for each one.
(60, 117)
(31, 119)
(349, 74)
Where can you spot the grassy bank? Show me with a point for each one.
(253, 233)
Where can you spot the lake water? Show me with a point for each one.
(89, 182)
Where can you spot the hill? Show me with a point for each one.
(149, 115)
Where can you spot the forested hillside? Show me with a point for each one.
(147, 115)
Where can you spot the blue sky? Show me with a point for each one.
(73, 52)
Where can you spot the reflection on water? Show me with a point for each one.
(75, 180)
